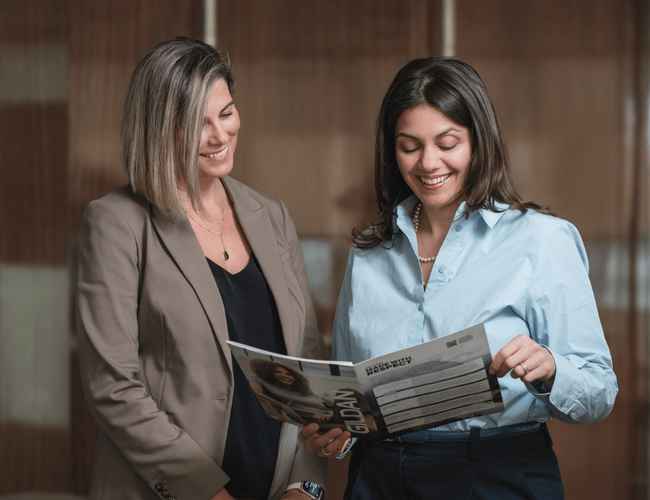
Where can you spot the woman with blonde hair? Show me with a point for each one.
(171, 267)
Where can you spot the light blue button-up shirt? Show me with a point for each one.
(516, 273)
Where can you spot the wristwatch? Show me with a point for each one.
(311, 488)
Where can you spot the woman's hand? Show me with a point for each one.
(294, 494)
(324, 445)
(525, 359)
(223, 495)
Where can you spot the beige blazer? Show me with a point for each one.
(154, 360)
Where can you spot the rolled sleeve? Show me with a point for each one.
(563, 316)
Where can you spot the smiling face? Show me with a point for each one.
(219, 132)
(433, 154)
(283, 375)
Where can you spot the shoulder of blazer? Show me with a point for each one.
(132, 209)
(120, 213)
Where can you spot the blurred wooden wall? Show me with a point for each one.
(64, 68)
(33, 194)
(310, 76)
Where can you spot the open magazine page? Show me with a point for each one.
(303, 391)
(433, 383)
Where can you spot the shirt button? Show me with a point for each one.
(458, 228)
(441, 270)
(420, 307)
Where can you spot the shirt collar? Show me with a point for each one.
(490, 217)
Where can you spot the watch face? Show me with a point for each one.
(314, 489)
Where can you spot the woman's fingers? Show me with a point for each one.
(309, 430)
(334, 445)
(524, 358)
(511, 354)
(325, 444)
(541, 366)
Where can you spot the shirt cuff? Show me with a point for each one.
(562, 398)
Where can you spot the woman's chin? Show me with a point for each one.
(438, 201)
(213, 170)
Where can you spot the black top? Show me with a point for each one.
(252, 441)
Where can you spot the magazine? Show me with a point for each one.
(427, 385)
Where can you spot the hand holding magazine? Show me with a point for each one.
(423, 386)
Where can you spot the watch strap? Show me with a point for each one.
(311, 488)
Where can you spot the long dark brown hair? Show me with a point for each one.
(455, 89)
(265, 370)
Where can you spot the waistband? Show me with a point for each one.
(430, 436)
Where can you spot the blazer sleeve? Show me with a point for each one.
(306, 465)
(166, 457)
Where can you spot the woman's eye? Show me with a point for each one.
(226, 115)
(447, 147)
(408, 148)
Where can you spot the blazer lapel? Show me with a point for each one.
(256, 224)
(179, 239)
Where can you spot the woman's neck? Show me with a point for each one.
(213, 196)
(437, 220)
(213, 199)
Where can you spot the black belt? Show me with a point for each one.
(429, 436)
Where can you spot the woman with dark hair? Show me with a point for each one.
(279, 375)
(170, 268)
(286, 393)
(454, 246)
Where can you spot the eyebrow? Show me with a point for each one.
(444, 132)
(231, 103)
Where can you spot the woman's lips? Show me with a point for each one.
(433, 181)
(219, 154)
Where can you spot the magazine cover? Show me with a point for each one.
(430, 384)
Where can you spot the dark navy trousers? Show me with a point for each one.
(493, 467)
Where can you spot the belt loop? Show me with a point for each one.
(474, 443)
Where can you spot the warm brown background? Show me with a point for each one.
(570, 82)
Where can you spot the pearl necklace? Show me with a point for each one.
(416, 224)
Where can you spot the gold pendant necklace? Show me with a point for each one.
(226, 255)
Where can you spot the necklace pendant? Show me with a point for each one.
(225, 255)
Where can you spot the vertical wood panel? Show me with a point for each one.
(33, 128)
(63, 74)
(310, 77)
(34, 442)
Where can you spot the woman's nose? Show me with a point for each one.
(217, 134)
(430, 159)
